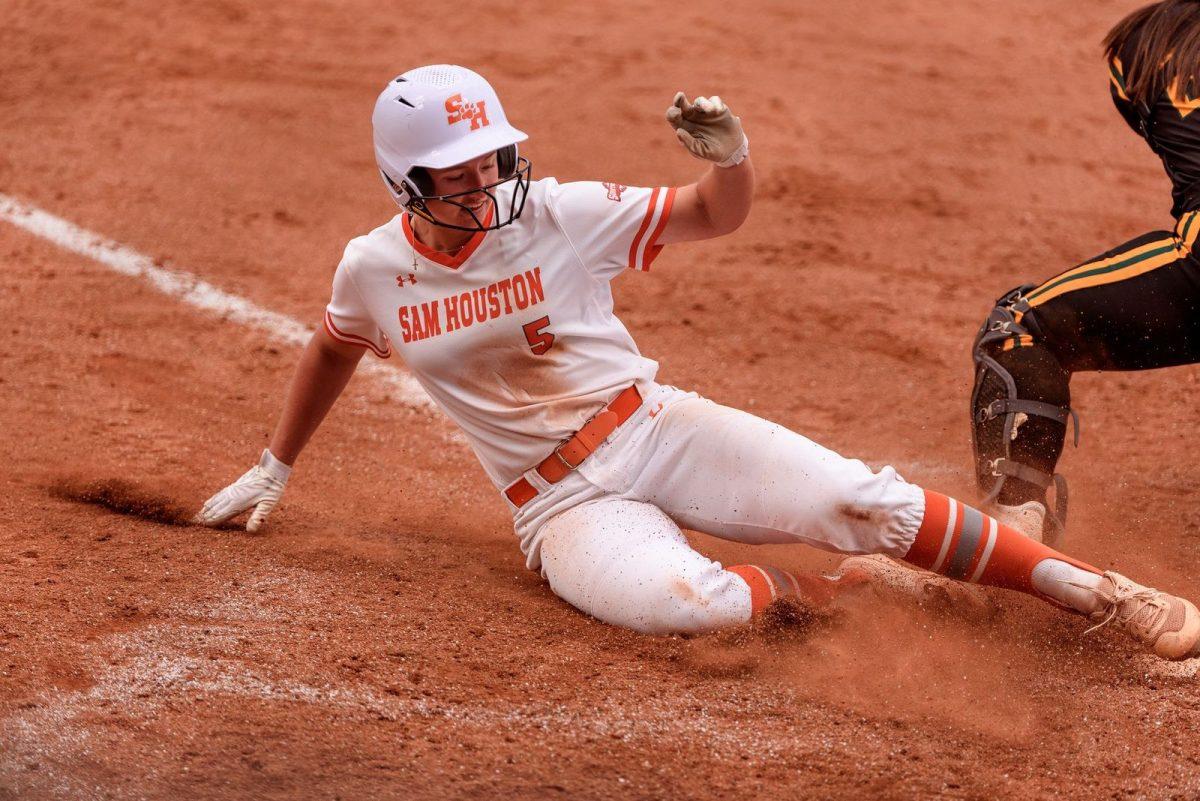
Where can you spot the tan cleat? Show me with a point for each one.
(898, 582)
(1168, 625)
(1028, 518)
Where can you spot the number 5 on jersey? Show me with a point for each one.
(539, 339)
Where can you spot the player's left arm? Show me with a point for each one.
(720, 201)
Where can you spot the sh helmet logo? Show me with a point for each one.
(439, 116)
(457, 111)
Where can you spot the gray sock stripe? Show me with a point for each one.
(782, 585)
(972, 530)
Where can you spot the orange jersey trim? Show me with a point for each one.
(645, 239)
(445, 259)
(354, 339)
(652, 247)
(641, 231)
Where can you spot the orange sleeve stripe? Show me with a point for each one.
(354, 339)
(652, 248)
(1116, 74)
(637, 238)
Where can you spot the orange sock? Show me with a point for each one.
(962, 543)
(769, 583)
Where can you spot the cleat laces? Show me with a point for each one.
(1134, 608)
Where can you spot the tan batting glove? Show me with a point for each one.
(708, 129)
(260, 487)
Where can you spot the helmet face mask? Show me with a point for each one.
(440, 116)
(495, 214)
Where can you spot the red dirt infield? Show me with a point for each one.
(381, 638)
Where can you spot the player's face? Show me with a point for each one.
(463, 178)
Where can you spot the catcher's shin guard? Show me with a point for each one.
(1019, 411)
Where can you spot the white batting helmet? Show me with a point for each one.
(436, 117)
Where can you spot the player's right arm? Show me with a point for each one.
(324, 369)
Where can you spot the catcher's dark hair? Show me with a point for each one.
(1159, 47)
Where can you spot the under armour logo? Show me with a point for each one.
(400, 279)
(614, 190)
(457, 111)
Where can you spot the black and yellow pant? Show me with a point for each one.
(1136, 307)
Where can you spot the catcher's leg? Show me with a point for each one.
(1133, 308)
(1019, 414)
(628, 564)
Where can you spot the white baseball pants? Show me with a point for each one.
(608, 539)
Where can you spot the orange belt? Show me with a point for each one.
(571, 453)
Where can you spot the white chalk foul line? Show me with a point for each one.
(189, 288)
(197, 292)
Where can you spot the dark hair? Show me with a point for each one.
(1163, 51)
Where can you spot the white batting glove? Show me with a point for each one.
(708, 129)
(260, 487)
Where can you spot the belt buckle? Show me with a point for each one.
(563, 459)
(558, 448)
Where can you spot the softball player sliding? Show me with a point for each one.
(494, 290)
(1132, 308)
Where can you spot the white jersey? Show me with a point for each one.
(514, 337)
